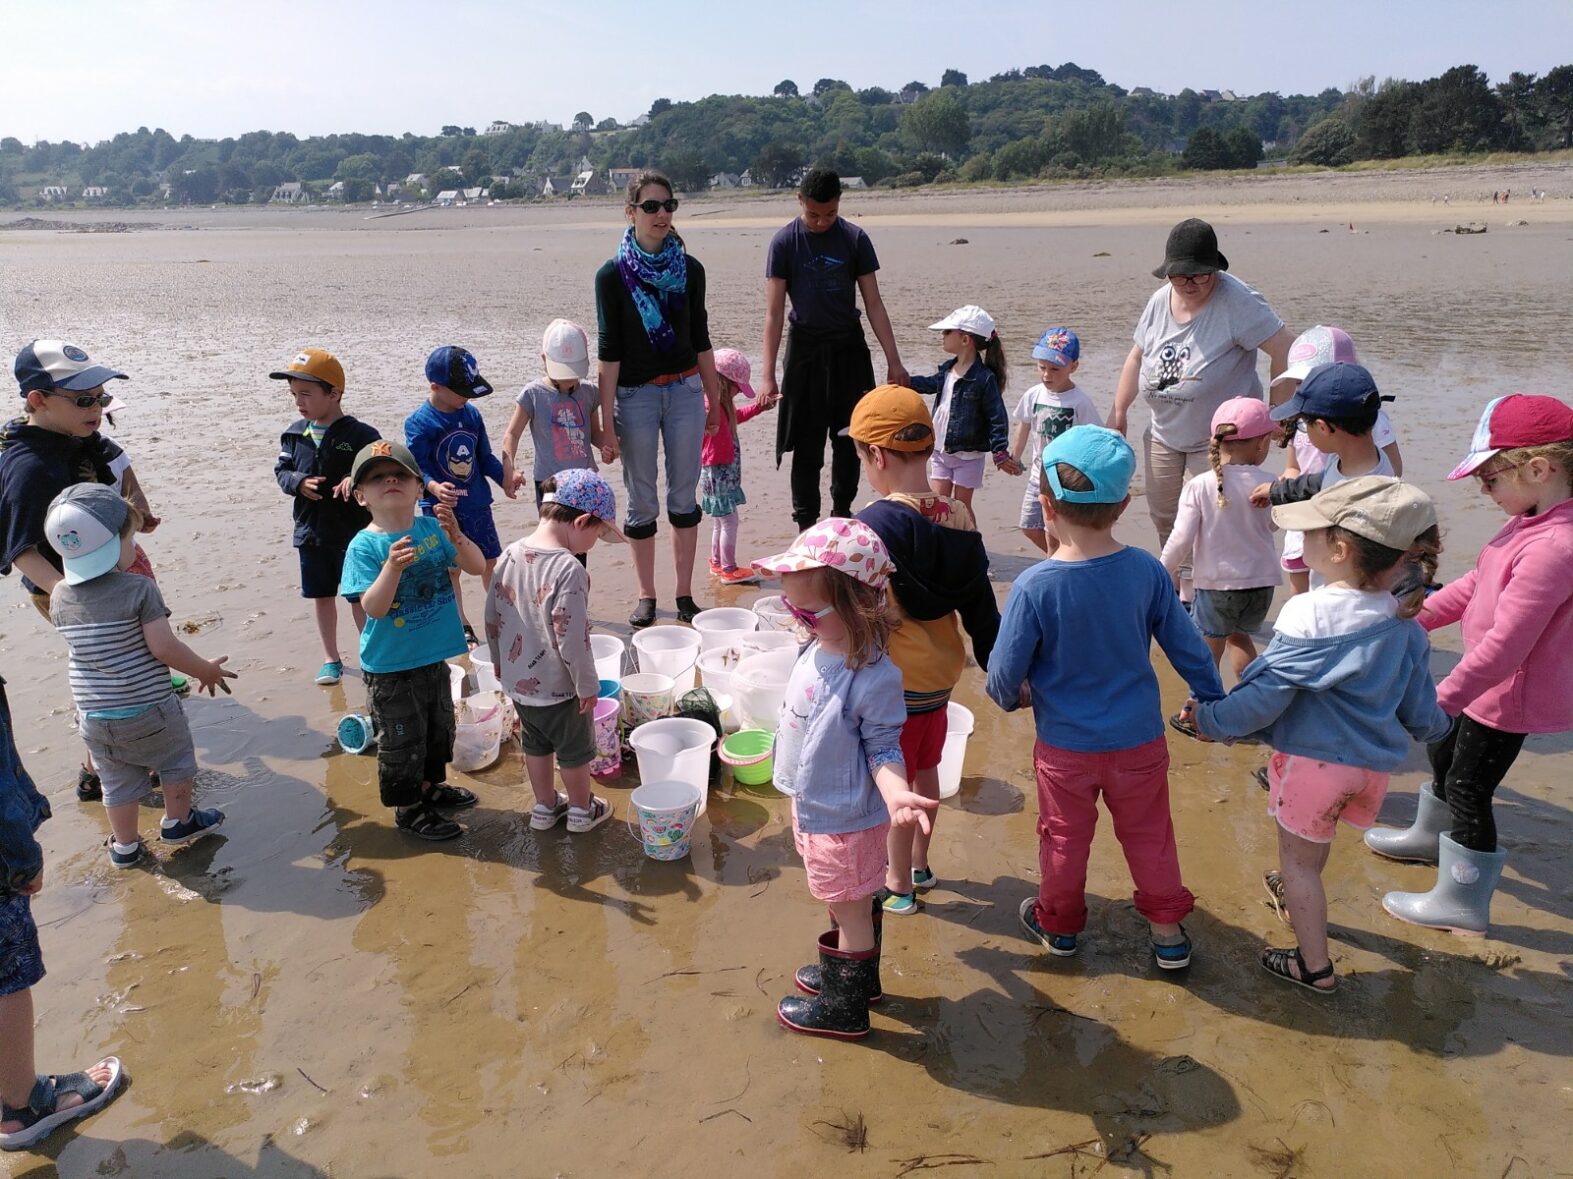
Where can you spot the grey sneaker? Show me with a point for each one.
(193, 827)
(544, 818)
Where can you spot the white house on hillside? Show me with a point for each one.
(55, 192)
(498, 127)
(447, 196)
(94, 190)
(292, 192)
(555, 186)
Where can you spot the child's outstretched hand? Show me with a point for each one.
(150, 522)
(213, 675)
(312, 488)
(401, 555)
(343, 489)
(449, 522)
(445, 493)
(910, 809)
(1261, 495)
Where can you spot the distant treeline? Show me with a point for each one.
(1042, 121)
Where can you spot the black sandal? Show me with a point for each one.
(88, 787)
(1262, 780)
(687, 609)
(422, 821)
(453, 798)
(1180, 724)
(470, 638)
(1276, 962)
(643, 615)
(1273, 882)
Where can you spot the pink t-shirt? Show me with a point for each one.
(1229, 548)
(1517, 610)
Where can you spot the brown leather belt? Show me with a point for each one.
(673, 378)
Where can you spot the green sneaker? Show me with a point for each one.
(899, 904)
(923, 879)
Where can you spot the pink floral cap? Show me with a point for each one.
(733, 365)
(847, 546)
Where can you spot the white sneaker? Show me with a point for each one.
(544, 818)
(580, 821)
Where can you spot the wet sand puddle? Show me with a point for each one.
(312, 995)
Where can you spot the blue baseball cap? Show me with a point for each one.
(48, 365)
(1097, 452)
(1059, 346)
(1336, 390)
(455, 367)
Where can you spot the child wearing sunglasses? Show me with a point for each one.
(838, 755)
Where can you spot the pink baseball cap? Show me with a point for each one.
(733, 365)
(1248, 416)
(566, 350)
(848, 546)
(1519, 419)
(1315, 347)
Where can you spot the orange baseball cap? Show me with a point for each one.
(886, 411)
(314, 364)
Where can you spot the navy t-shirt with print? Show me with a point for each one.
(821, 272)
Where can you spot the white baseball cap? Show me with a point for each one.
(970, 318)
(83, 526)
(566, 350)
(1315, 347)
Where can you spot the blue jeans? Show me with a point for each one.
(647, 417)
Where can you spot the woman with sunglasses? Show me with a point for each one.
(657, 374)
(1196, 346)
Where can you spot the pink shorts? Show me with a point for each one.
(1309, 797)
(923, 740)
(842, 868)
(963, 472)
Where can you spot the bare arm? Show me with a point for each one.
(775, 322)
(37, 570)
(1125, 391)
(1277, 348)
(1018, 440)
(1395, 457)
(131, 488)
(173, 653)
(510, 445)
(879, 320)
(471, 559)
(606, 385)
(707, 378)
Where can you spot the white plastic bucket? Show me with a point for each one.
(485, 671)
(456, 682)
(675, 749)
(646, 697)
(608, 745)
(958, 727)
(608, 651)
(666, 812)
(723, 626)
(478, 738)
(716, 668)
(759, 685)
(670, 651)
(770, 640)
(772, 613)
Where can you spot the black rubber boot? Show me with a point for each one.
(810, 981)
(841, 1007)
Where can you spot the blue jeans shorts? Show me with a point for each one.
(648, 418)
(21, 959)
(1221, 613)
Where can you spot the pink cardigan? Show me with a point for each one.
(720, 448)
(1517, 609)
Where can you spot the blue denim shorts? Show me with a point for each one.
(1221, 613)
(648, 418)
(21, 959)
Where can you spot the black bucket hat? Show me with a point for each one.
(1192, 248)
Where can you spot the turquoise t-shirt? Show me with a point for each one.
(422, 626)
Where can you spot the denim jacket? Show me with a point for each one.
(22, 809)
(826, 756)
(978, 421)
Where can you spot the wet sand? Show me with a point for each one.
(312, 994)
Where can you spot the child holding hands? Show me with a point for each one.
(399, 565)
(721, 475)
(970, 422)
(538, 629)
(838, 755)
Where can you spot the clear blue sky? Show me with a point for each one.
(84, 69)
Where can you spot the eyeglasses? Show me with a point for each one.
(1488, 479)
(1189, 280)
(809, 618)
(653, 206)
(83, 400)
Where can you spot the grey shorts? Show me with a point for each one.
(125, 752)
(557, 728)
(1221, 613)
(1031, 505)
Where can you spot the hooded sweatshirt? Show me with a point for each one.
(1354, 699)
(941, 576)
(35, 466)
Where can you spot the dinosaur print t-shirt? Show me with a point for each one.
(1190, 369)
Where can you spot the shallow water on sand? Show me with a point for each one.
(312, 994)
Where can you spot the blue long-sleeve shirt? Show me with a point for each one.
(453, 448)
(22, 809)
(1080, 634)
(1353, 699)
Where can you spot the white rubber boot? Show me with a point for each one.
(1460, 902)
(1415, 844)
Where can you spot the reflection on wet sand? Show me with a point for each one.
(331, 999)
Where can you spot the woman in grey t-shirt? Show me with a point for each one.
(1196, 345)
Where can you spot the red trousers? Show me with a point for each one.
(1134, 784)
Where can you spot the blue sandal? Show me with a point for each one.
(41, 1116)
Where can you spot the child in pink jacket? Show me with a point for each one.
(721, 467)
(1516, 676)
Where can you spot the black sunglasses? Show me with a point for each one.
(652, 206)
(82, 400)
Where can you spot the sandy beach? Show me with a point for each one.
(314, 995)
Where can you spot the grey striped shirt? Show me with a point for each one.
(101, 621)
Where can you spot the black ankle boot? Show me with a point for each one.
(841, 1007)
(809, 979)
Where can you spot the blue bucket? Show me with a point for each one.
(611, 689)
(356, 733)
